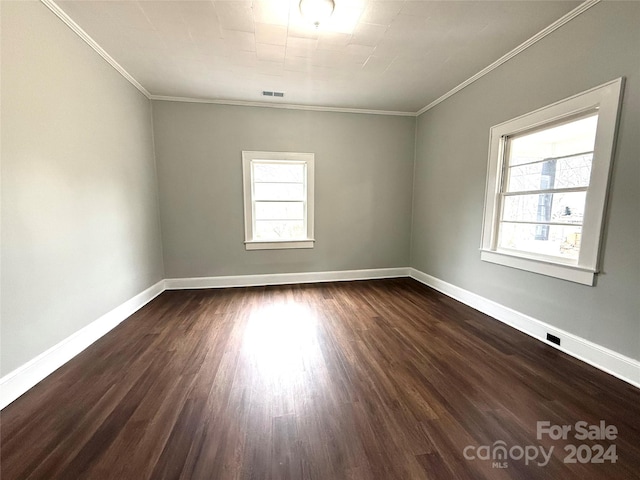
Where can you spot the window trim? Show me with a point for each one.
(606, 99)
(248, 157)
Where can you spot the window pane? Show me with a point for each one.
(566, 139)
(279, 230)
(556, 240)
(274, 172)
(279, 210)
(546, 207)
(566, 172)
(278, 191)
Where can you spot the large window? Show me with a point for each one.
(547, 186)
(278, 200)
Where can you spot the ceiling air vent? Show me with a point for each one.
(268, 93)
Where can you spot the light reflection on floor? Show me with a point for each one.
(280, 340)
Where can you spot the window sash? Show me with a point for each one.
(506, 164)
(500, 213)
(297, 221)
(302, 200)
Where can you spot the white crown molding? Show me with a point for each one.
(286, 106)
(93, 44)
(51, 5)
(28, 375)
(583, 7)
(609, 361)
(283, 278)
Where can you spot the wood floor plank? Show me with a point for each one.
(367, 380)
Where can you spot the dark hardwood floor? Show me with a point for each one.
(380, 379)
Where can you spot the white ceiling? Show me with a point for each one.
(379, 55)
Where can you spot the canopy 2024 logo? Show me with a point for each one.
(499, 453)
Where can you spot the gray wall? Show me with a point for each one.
(451, 166)
(79, 215)
(363, 178)
(80, 229)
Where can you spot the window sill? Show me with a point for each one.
(571, 273)
(278, 244)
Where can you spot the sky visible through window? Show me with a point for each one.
(546, 177)
(279, 200)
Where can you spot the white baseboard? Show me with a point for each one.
(607, 360)
(26, 376)
(35, 370)
(284, 278)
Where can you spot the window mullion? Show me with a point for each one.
(544, 192)
(534, 222)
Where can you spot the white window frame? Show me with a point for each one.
(606, 99)
(248, 158)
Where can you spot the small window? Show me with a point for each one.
(278, 200)
(547, 186)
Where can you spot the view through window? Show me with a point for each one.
(279, 195)
(278, 199)
(545, 187)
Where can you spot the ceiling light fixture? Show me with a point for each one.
(316, 11)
